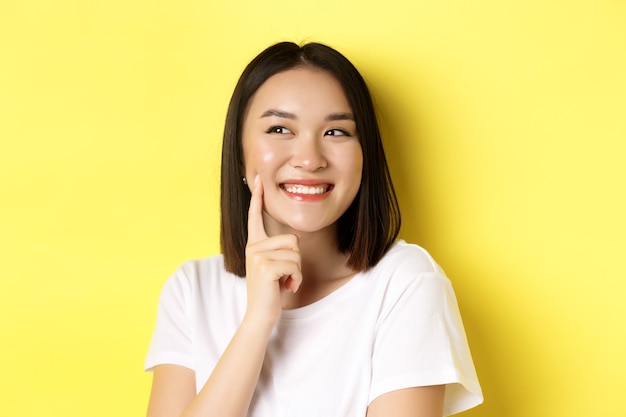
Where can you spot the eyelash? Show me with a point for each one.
(343, 132)
(281, 130)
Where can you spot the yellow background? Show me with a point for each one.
(505, 124)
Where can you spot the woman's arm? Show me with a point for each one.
(229, 389)
(173, 389)
(410, 402)
(272, 266)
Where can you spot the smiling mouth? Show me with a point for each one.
(307, 189)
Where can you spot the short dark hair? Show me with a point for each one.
(371, 224)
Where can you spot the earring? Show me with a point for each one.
(245, 181)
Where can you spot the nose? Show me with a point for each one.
(308, 154)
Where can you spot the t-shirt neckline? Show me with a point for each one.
(321, 304)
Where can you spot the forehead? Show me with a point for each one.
(300, 90)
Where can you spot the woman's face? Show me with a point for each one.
(300, 137)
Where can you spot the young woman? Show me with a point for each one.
(314, 308)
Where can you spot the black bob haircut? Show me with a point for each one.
(372, 222)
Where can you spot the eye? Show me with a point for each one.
(336, 132)
(280, 130)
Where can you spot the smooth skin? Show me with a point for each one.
(290, 262)
(299, 127)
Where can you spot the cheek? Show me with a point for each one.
(266, 156)
(260, 159)
(356, 171)
(354, 163)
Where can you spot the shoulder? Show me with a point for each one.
(198, 268)
(198, 275)
(409, 271)
(409, 258)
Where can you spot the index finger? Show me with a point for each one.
(256, 229)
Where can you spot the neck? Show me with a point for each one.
(321, 258)
(324, 267)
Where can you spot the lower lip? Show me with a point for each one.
(308, 198)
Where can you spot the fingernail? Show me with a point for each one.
(256, 180)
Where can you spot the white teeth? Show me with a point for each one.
(302, 189)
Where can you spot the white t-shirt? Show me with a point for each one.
(394, 326)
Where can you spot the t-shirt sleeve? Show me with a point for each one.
(171, 341)
(420, 341)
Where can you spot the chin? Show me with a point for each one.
(308, 227)
(299, 221)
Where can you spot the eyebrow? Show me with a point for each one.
(286, 115)
(339, 116)
(279, 113)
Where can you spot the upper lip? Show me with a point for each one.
(309, 182)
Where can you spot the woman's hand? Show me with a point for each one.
(272, 267)
(273, 264)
